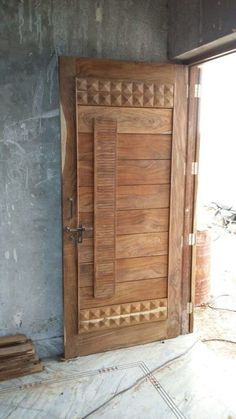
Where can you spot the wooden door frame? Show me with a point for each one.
(68, 70)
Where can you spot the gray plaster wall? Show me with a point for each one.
(33, 33)
(193, 24)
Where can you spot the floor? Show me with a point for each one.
(179, 378)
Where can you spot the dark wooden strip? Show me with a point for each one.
(105, 142)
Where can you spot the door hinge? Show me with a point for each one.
(187, 90)
(194, 170)
(191, 239)
(189, 308)
(197, 91)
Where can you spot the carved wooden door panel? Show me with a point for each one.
(123, 155)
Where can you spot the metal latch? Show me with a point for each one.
(76, 234)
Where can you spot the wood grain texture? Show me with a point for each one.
(119, 338)
(127, 292)
(130, 120)
(130, 146)
(131, 269)
(116, 69)
(130, 172)
(130, 197)
(142, 197)
(179, 142)
(142, 221)
(139, 146)
(135, 245)
(141, 172)
(105, 141)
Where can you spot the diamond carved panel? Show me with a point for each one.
(121, 315)
(128, 93)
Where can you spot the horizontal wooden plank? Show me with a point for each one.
(143, 196)
(120, 338)
(14, 350)
(132, 269)
(143, 172)
(129, 197)
(142, 221)
(10, 340)
(17, 362)
(130, 172)
(131, 221)
(129, 120)
(136, 245)
(143, 146)
(115, 69)
(21, 371)
(126, 292)
(130, 146)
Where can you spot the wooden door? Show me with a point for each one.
(123, 158)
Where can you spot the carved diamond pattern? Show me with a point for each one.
(122, 315)
(99, 92)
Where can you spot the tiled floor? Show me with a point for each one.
(180, 378)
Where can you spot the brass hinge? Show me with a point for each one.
(194, 170)
(197, 91)
(191, 239)
(189, 308)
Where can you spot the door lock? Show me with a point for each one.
(76, 234)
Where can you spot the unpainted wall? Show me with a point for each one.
(33, 33)
(193, 24)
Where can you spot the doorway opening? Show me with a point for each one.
(215, 208)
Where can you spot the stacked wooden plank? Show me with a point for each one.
(17, 357)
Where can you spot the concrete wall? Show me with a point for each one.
(33, 33)
(198, 25)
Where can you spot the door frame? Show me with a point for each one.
(191, 186)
